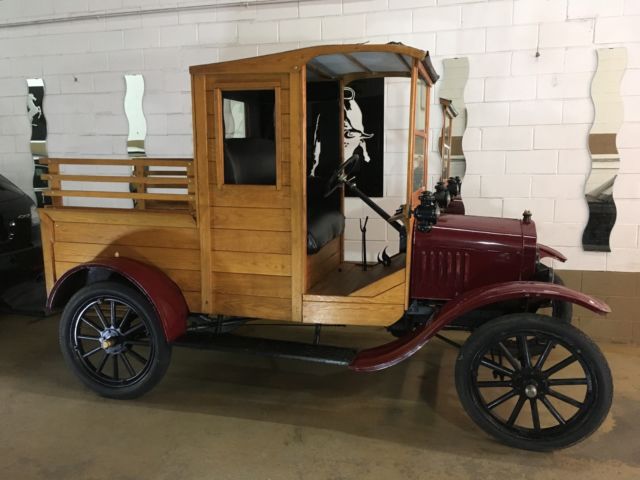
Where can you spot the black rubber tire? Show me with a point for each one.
(593, 358)
(159, 363)
(561, 309)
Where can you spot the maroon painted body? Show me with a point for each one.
(463, 252)
(163, 294)
(387, 355)
(456, 207)
(548, 252)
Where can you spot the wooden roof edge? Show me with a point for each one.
(304, 55)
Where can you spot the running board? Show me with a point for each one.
(267, 347)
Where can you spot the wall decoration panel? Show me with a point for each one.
(605, 159)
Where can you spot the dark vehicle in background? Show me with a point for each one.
(21, 267)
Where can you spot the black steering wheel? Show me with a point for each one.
(342, 174)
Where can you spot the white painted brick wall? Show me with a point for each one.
(528, 113)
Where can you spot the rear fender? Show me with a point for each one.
(163, 294)
(387, 355)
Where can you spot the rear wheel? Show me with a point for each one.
(111, 338)
(542, 400)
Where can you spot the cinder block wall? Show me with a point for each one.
(529, 116)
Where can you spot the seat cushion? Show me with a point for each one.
(322, 227)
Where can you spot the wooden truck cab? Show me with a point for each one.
(232, 227)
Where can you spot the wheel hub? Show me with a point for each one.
(110, 341)
(531, 391)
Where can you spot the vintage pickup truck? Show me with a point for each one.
(242, 232)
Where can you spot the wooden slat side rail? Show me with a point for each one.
(170, 197)
(142, 162)
(182, 181)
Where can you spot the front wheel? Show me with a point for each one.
(542, 400)
(112, 340)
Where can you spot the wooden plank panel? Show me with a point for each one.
(273, 219)
(115, 216)
(256, 196)
(337, 313)
(382, 285)
(162, 258)
(255, 263)
(106, 234)
(194, 301)
(255, 285)
(322, 262)
(260, 79)
(47, 234)
(187, 280)
(269, 308)
(251, 241)
(393, 296)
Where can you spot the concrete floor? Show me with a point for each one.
(232, 417)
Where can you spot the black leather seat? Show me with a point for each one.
(324, 221)
(251, 161)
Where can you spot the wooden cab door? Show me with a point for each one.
(249, 204)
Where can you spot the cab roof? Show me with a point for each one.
(333, 62)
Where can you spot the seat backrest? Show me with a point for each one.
(249, 161)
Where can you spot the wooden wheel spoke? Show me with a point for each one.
(552, 410)
(100, 315)
(523, 346)
(138, 357)
(565, 398)
(493, 383)
(516, 410)
(496, 367)
(91, 352)
(560, 365)
(535, 415)
(512, 360)
(91, 324)
(112, 313)
(88, 337)
(133, 330)
(103, 363)
(127, 364)
(501, 399)
(116, 374)
(567, 381)
(545, 354)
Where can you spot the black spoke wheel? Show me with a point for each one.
(536, 399)
(111, 338)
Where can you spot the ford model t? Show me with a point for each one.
(200, 247)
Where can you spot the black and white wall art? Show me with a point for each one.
(361, 133)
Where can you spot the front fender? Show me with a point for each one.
(387, 355)
(163, 294)
(546, 251)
